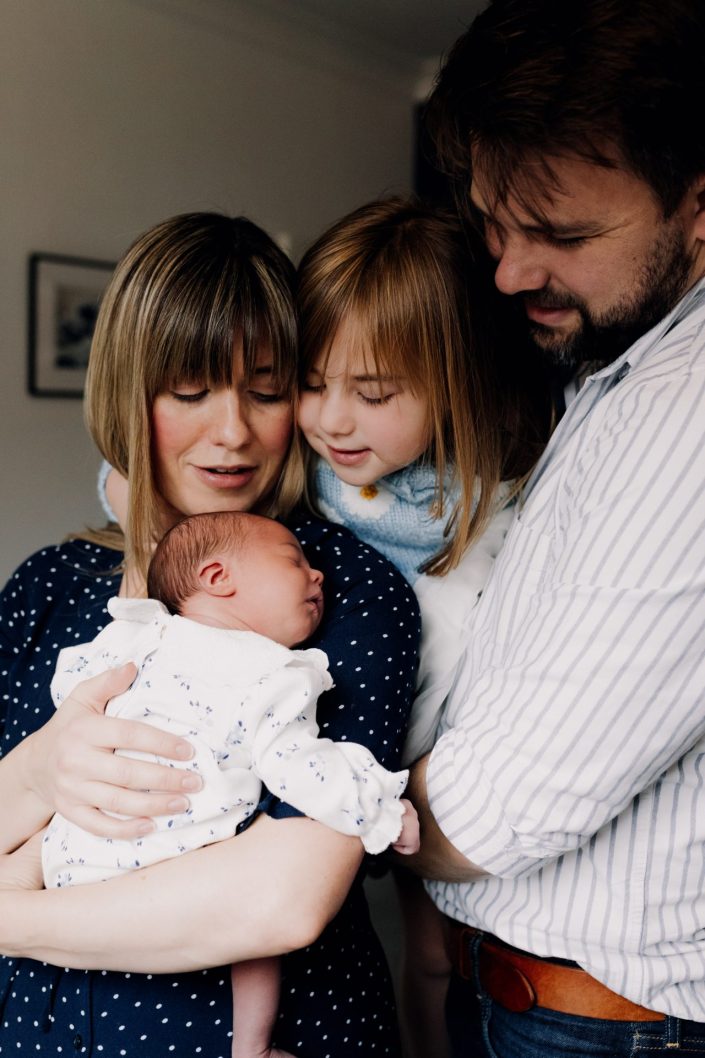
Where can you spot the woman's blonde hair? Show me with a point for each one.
(178, 300)
(419, 299)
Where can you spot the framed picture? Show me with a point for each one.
(64, 295)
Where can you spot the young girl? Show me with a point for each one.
(420, 431)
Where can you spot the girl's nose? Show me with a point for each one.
(336, 416)
(317, 577)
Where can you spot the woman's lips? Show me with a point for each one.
(348, 457)
(226, 477)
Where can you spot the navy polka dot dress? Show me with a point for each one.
(336, 998)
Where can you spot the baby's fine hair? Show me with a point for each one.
(172, 577)
(421, 300)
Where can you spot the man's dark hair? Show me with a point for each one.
(616, 82)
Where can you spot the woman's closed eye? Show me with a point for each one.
(266, 397)
(188, 395)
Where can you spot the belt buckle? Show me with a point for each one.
(505, 982)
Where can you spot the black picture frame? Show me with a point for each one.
(64, 295)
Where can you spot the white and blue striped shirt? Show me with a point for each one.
(571, 762)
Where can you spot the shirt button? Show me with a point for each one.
(78, 1041)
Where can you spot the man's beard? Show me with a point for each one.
(663, 281)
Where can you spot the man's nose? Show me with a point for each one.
(519, 266)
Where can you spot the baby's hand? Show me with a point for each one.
(409, 840)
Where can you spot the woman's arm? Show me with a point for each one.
(270, 890)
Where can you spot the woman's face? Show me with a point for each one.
(221, 449)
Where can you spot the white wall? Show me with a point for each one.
(117, 113)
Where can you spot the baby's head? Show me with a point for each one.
(236, 570)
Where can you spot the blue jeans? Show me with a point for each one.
(481, 1028)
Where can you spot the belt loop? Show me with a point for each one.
(469, 963)
(672, 1034)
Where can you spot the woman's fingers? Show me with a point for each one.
(79, 769)
(95, 693)
(127, 827)
(111, 733)
(166, 793)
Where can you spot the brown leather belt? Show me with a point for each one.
(519, 981)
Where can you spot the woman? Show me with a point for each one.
(190, 396)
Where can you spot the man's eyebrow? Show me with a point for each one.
(546, 227)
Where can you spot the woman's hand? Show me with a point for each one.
(22, 869)
(74, 770)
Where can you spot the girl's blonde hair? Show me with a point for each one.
(178, 300)
(404, 275)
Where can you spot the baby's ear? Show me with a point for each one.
(215, 578)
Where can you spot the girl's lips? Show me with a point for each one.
(226, 477)
(346, 457)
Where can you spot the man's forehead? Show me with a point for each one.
(532, 193)
(538, 186)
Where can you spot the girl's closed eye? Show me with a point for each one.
(377, 400)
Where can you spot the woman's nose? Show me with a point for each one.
(229, 425)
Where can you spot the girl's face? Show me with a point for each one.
(364, 424)
(220, 449)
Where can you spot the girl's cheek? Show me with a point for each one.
(306, 416)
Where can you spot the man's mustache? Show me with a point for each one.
(548, 299)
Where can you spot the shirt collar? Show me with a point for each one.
(689, 304)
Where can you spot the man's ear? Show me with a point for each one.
(215, 578)
(698, 189)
